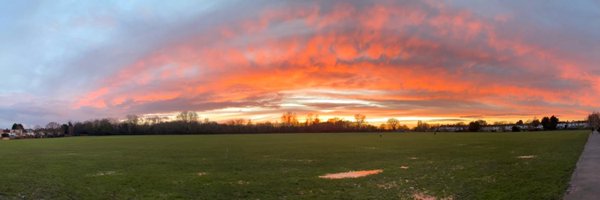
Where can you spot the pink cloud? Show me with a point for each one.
(419, 52)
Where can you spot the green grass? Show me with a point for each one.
(287, 166)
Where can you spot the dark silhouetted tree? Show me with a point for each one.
(475, 126)
(289, 119)
(520, 122)
(550, 123)
(535, 123)
(516, 129)
(317, 120)
(594, 121)
(422, 126)
(393, 123)
(16, 126)
(309, 119)
(360, 120)
(554, 122)
(546, 123)
(188, 116)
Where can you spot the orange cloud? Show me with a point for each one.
(428, 59)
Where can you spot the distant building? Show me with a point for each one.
(509, 127)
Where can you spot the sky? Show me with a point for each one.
(437, 61)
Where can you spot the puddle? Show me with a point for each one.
(526, 157)
(351, 174)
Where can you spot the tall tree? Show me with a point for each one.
(535, 123)
(546, 123)
(133, 119)
(131, 122)
(289, 119)
(520, 122)
(317, 120)
(53, 127)
(422, 126)
(187, 116)
(594, 121)
(360, 120)
(16, 126)
(554, 122)
(309, 119)
(393, 123)
(475, 126)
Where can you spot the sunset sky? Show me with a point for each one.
(438, 61)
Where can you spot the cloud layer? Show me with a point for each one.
(443, 61)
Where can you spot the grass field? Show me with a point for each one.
(288, 166)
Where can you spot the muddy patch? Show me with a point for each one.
(351, 174)
(242, 182)
(387, 186)
(422, 196)
(104, 173)
(201, 174)
(526, 157)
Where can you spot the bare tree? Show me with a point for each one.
(422, 126)
(360, 120)
(289, 119)
(237, 122)
(594, 120)
(133, 119)
(188, 116)
(53, 127)
(317, 120)
(393, 123)
(154, 120)
(309, 119)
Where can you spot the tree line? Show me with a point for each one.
(188, 122)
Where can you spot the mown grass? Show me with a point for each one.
(287, 166)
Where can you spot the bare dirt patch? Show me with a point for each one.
(104, 173)
(387, 186)
(404, 167)
(201, 173)
(351, 174)
(242, 182)
(422, 196)
(526, 157)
